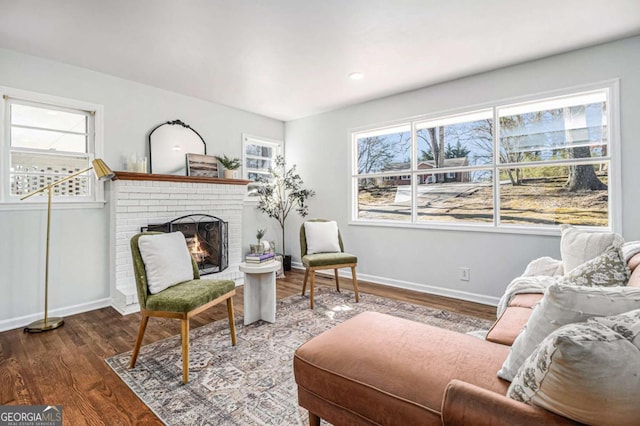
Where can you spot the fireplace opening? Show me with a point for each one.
(207, 239)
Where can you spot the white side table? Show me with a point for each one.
(260, 292)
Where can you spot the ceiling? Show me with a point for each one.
(288, 59)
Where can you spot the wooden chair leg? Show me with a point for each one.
(304, 284)
(311, 287)
(185, 349)
(355, 282)
(335, 272)
(232, 322)
(314, 420)
(136, 348)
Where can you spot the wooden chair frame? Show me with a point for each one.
(184, 328)
(312, 271)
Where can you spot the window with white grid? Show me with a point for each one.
(258, 155)
(533, 163)
(44, 140)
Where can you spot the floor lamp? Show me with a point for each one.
(103, 173)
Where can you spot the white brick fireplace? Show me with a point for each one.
(139, 199)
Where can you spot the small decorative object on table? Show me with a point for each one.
(230, 165)
(260, 233)
(259, 248)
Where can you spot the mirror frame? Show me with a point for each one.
(184, 156)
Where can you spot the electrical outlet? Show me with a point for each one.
(465, 274)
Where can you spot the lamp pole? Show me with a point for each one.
(46, 265)
(103, 172)
(47, 323)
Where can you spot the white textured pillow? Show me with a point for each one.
(578, 246)
(582, 368)
(564, 304)
(166, 258)
(322, 237)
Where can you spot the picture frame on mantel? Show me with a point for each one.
(202, 165)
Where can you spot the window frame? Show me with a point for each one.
(248, 139)
(613, 158)
(96, 197)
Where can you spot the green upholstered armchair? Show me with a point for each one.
(318, 261)
(181, 301)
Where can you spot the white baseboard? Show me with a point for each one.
(423, 288)
(23, 321)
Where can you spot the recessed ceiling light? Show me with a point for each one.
(356, 76)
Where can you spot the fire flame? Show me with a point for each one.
(195, 248)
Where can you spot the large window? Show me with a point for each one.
(533, 164)
(44, 140)
(258, 155)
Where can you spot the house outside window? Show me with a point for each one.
(45, 139)
(532, 164)
(258, 155)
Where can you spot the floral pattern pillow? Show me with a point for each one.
(580, 365)
(607, 270)
(627, 325)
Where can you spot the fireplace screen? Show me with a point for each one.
(207, 239)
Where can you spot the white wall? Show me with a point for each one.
(79, 272)
(320, 146)
(419, 258)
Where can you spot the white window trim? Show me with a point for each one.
(248, 139)
(614, 157)
(37, 203)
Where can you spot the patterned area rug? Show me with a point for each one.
(252, 383)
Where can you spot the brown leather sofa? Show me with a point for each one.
(382, 370)
(376, 369)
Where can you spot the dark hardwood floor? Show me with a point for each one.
(66, 366)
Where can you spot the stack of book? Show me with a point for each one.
(259, 259)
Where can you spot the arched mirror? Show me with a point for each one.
(168, 145)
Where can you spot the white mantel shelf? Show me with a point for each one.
(139, 199)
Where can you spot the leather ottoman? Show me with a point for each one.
(384, 370)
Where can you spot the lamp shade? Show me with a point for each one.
(102, 171)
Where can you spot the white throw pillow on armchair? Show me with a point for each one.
(322, 237)
(166, 258)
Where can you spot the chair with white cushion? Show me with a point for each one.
(169, 286)
(321, 248)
